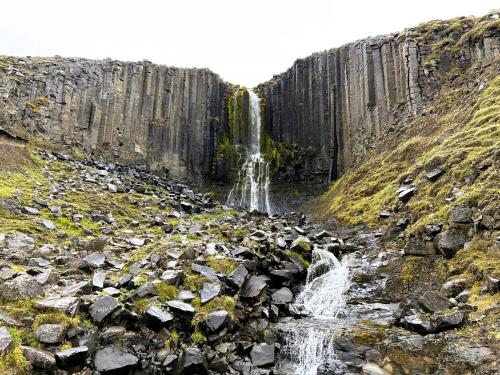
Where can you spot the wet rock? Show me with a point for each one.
(23, 287)
(6, 342)
(215, 321)
(50, 333)
(460, 215)
(434, 174)
(67, 305)
(192, 361)
(158, 318)
(102, 308)
(449, 242)
(209, 291)
(253, 287)
(453, 287)
(39, 358)
(432, 301)
(262, 355)
(237, 277)
(111, 360)
(71, 357)
(301, 244)
(282, 296)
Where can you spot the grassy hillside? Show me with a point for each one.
(460, 134)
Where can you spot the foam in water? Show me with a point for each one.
(309, 343)
(251, 190)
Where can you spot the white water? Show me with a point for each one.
(309, 342)
(251, 190)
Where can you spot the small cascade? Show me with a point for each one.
(251, 190)
(309, 342)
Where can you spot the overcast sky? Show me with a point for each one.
(246, 42)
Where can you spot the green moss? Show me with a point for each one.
(299, 258)
(194, 282)
(456, 137)
(14, 362)
(173, 340)
(197, 337)
(55, 318)
(223, 265)
(141, 305)
(166, 292)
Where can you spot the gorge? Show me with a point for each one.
(142, 229)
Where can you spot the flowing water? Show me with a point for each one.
(309, 342)
(251, 190)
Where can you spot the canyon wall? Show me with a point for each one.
(320, 117)
(133, 113)
(337, 102)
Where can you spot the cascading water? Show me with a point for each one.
(251, 190)
(309, 342)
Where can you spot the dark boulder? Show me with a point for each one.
(449, 242)
(111, 360)
(191, 362)
(102, 308)
(432, 301)
(215, 321)
(253, 287)
(71, 357)
(262, 355)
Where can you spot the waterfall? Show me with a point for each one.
(251, 190)
(309, 342)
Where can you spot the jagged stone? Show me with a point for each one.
(39, 358)
(282, 296)
(253, 287)
(113, 360)
(209, 291)
(181, 308)
(449, 242)
(50, 333)
(433, 301)
(262, 355)
(102, 308)
(67, 305)
(215, 321)
(6, 342)
(71, 357)
(192, 361)
(21, 288)
(157, 318)
(301, 244)
(237, 277)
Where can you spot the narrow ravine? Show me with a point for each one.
(309, 342)
(251, 190)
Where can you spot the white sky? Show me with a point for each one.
(246, 42)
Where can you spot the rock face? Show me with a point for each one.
(136, 113)
(336, 102)
(327, 108)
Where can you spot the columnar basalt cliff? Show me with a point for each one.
(135, 113)
(321, 116)
(338, 101)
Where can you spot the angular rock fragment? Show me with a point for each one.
(113, 360)
(102, 308)
(67, 305)
(262, 355)
(192, 361)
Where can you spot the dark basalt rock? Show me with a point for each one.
(181, 308)
(191, 362)
(282, 296)
(39, 358)
(69, 358)
(215, 321)
(237, 277)
(209, 291)
(434, 174)
(157, 318)
(50, 333)
(449, 242)
(253, 287)
(433, 301)
(111, 360)
(21, 288)
(102, 309)
(6, 342)
(262, 355)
